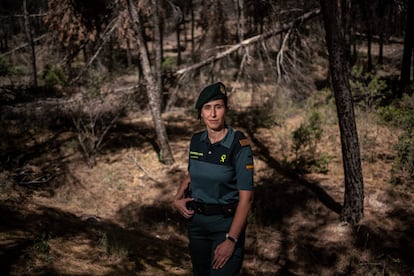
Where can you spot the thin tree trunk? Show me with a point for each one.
(368, 30)
(192, 31)
(408, 51)
(336, 27)
(129, 54)
(29, 36)
(152, 87)
(382, 26)
(158, 49)
(240, 19)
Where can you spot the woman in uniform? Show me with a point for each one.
(220, 178)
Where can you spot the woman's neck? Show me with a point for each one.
(216, 135)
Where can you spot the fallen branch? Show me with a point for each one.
(147, 174)
(22, 46)
(249, 41)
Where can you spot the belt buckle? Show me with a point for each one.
(201, 209)
(228, 210)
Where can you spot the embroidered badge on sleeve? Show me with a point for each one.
(244, 142)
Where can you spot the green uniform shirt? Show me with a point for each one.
(218, 171)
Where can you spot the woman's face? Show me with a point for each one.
(213, 114)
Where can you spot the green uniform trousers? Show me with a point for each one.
(205, 233)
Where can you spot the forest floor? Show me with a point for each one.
(60, 216)
(67, 218)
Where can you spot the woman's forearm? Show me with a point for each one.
(181, 189)
(242, 212)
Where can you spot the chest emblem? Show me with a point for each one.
(223, 158)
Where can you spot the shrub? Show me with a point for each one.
(305, 141)
(403, 166)
(5, 68)
(367, 86)
(112, 245)
(54, 76)
(92, 123)
(400, 114)
(169, 63)
(41, 247)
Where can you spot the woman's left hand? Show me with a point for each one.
(223, 253)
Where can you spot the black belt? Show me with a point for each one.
(227, 210)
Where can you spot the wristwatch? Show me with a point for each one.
(231, 238)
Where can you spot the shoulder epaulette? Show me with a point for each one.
(244, 142)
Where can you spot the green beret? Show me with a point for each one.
(210, 93)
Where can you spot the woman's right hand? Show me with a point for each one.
(181, 206)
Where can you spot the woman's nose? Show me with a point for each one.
(213, 112)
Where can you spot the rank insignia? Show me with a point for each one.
(244, 142)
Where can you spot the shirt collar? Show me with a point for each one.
(226, 141)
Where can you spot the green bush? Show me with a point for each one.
(367, 85)
(4, 67)
(169, 63)
(403, 166)
(54, 76)
(305, 141)
(400, 114)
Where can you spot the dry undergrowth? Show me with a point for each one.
(116, 218)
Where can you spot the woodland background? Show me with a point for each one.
(96, 112)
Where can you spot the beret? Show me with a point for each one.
(211, 92)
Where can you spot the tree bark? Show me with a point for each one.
(240, 19)
(335, 14)
(152, 87)
(158, 49)
(193, 57)
(29, 36)
(367, 14)
(408, 51)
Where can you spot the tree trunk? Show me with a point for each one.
(368, 31)
(382, 29)
(178, 39)
(129, 54)
(29, 36)
(152, 87)
(408, 51)
(240, 19)
(337, 45)
(158, 49)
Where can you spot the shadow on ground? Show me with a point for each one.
(287, 205)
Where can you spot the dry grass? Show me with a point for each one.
(116, 219)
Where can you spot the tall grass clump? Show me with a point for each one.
(112, 245)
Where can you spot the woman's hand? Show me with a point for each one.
(181, 206)
(223, 253)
